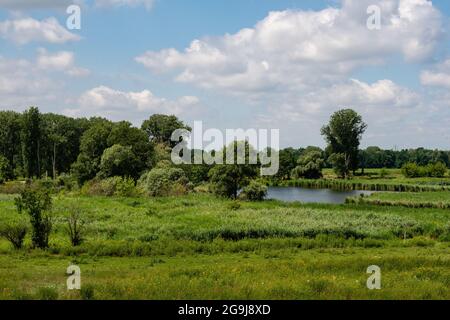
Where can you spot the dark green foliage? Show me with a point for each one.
(340, 164)
(4, 169)
(159, 128)
(228, 179)
(119, 161)
(35, 204)
(10, 143)
(31, 134)
(343, 135)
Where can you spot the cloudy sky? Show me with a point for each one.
(282, 64)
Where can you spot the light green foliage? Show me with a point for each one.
(119, 161)
(310, 166)
(408, 199)
(163, 182)
(436, 170)
(150, 248)
(255, 191)
(14, 232)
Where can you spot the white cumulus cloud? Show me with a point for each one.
(438, 76)
(106, 101)
(25, 30)
(295, 49)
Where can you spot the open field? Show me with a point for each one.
(202, 247)
(408, 273)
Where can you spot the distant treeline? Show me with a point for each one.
(370, 158)
(33, 144)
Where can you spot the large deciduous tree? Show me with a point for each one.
(343, 135)
(31, 142)
(229, 178)
(159, 128)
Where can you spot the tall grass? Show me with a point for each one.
(364, 185)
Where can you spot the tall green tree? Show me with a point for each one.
(10, 146)
(159, 128)
(229, 179)
(343, 135)
(31, 142)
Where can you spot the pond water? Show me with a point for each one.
(292, 194)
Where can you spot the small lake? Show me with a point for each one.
(292, 194)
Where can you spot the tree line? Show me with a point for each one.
(36, 145)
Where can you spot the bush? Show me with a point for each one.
(75, 227)
(436, 170)
(115, 186)
(411, 170)
(35, 203)
(255, 191)
(164, 182)
(14, 233)
(66, 181)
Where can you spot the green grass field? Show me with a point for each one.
(202, 247)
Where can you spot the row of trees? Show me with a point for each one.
(34, 144)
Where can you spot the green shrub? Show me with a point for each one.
(36, 203)
(436, 170)
(75, 227)
(14, 233)
(255, 191)
(115, 186)
(67, 182)
(164, 182)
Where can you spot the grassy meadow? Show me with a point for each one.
(202, 247)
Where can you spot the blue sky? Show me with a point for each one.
(236, 63)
